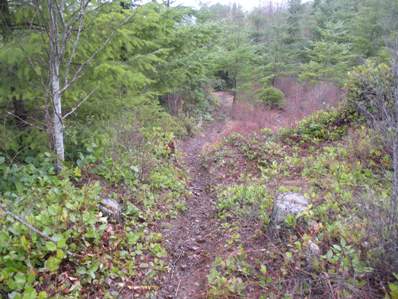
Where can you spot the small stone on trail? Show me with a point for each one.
(194, 248)
(288, 203)
(110, 203)
(200, 239)
(312, 254)
(313, 249)
(111, 208)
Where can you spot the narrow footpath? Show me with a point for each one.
(194, 238)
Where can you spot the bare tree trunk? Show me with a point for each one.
(58, 127)
(56, 98)
(234, 90)
(394, 199)
(395, 181)
(49, 124)
(5, 17)
(392, 227)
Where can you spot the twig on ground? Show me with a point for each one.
(178, 288)
(30, 226)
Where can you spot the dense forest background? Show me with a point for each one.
(94, 94)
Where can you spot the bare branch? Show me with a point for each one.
(80, 103)
(30, 226)
(83, 7)
(25, 122)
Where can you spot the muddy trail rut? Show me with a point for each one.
(194, 238)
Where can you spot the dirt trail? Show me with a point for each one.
(194, 238)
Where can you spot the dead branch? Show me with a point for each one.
(79, 104)
(30, 226)
(25, 122)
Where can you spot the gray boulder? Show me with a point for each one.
(288, 203)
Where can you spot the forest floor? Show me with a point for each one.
(196, 238)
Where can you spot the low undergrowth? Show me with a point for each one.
(248, 202)
(345, 173)
(69, 246)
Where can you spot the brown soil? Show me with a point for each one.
(194, 239)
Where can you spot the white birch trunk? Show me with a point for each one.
(58, 128)
(56, 97)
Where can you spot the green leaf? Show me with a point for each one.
(61, 243)
(29, 293)
(263, 269)
(42, 295)
(19, 280)
(132, 238)
(25, 243)
(158, 250)
(52, 264)
(393, 290)
(60, 254)
(51, 246)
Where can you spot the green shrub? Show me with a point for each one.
(87, 246)
(227, 276)
(20, 179)
(368, 85)
(272, 97)
(321, 126)
(219, 84)
(371, 92)
(19, 144)
(63, 212)
(244, 202)
(66, 208)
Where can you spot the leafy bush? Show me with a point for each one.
(85, 243)
(321, 126)
(219, 84)
(227, 276)
(272, 97)
(63, 212)
(16, 145)
(20, 179)
(369, 83)
(244, 202)
(89, 246)
(371, 90)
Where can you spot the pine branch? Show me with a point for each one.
(79, 72)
